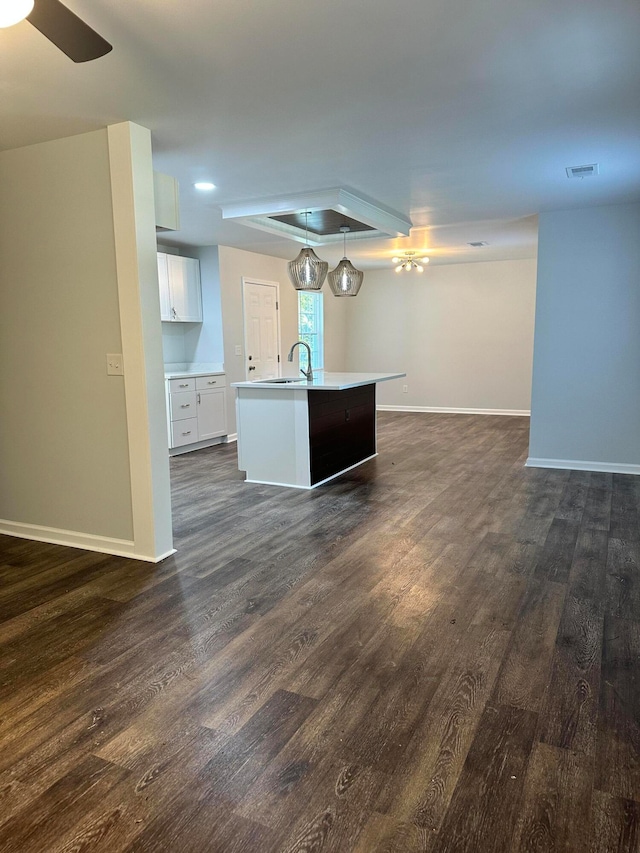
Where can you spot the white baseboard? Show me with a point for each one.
(232, 437)
(518, 413)
(579, 465)
(73, 539)
(197, 445)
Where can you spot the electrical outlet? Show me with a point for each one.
(238, 350)
(405, 389)
(115, 364)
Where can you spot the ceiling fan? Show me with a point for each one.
(60, 25)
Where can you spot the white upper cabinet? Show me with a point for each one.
(180, 292)
(167, 202)
(163, 281)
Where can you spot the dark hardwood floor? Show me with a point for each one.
(438, 651)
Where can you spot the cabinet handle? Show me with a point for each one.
(173, 313)
(188, 432)
(210, 382)
(184, 385)
(185, 405)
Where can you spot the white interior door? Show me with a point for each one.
(261, 329)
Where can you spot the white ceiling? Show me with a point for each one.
(460, 114)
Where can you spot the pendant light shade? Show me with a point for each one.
(307, 271)
(345, 279)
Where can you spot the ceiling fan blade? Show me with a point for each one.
(67, 31)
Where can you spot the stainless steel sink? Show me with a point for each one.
(281, 381)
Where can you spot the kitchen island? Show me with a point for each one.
(292, 432)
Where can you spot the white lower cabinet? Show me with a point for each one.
(184, 432)
(197, 409)
(212, 414)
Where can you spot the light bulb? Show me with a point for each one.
(399, 268)
(419, 268)
(14, 11)
(425, 260)
(394, 260)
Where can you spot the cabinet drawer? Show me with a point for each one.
(204, 383)
(183, 406)
(184, 432)
(182, 385)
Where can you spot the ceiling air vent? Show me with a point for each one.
(582, 171)
(478, 244)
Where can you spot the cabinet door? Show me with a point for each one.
(184, 287)
(212, 414)
(342, 429)
(163, 282)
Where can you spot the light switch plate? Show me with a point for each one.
(115, 364)
(238, 350)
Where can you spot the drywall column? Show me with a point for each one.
(137, 280)
(64, 456)
(81, 461)
(586, 369)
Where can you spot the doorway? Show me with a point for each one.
(261, 310)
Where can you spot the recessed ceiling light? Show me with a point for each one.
(204, 185)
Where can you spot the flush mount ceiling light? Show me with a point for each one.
(408, 262)
(205, 186)
(14, 11)
(345, 279)
(60, 25)
(307, 271)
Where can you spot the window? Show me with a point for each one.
(311, 325)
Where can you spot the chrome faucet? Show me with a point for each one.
(308, 372)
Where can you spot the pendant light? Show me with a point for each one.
(307, 271)
(345, 279)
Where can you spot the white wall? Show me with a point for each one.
(236, 264)
(67, 474)
(205, 341)
(586, 380)
(463, 333)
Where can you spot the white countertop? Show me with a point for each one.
(324, 381)
(181, 370)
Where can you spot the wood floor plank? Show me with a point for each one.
(525, 672)
(556, 806)
(618, 752)
(569, 716)
(486, 801)
(615, 825)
